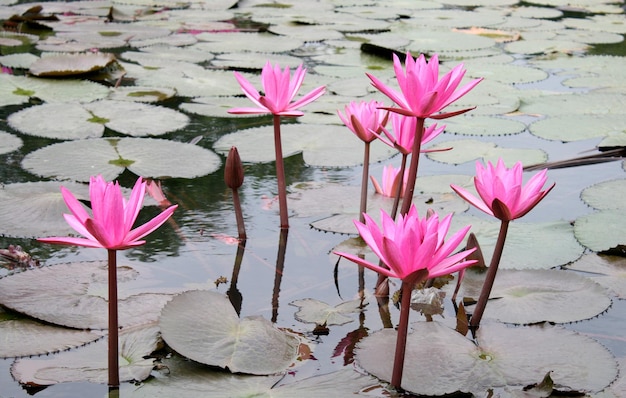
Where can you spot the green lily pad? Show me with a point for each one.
(141, 94)
(42, 339)
(603, 195)
(578, 127)
(609, 271)
(203, 326)
(9, 142)
(20, 89)
(578, 363)
(146, 157)
(188, 379)
(66, 121)
(486, 151)
(76, 295)
(230, 42)
(320, 313)
(576, 104)
(71, 64)
(89, 363)
(601, 230)
(522, 236)
(533, 296)
(483, 125)
(320, 145)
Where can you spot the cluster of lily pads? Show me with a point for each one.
(169, 79)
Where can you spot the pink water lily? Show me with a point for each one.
(279, 90)
(501, 190)
(403, 133)
(390, 182)
(411, 244)
(422, 94)
(110, 226)
(365, 118)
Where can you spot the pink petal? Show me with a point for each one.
(151, 225)
(66, 240)
(367, 264)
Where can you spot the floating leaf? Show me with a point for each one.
(145, 157)
(578, 127)
(320, 313)
(141, 94)
(601, 230)
(76, 295)
(42, 339)
(533, 296)
(320, 145)
(603, 195)
(203, 326)
(578, 363)
(609, 271)
(468, 150)
(70, 64)
(20, 89)
(89, 364)
(9, 142)
(483, 125)
(187, 379)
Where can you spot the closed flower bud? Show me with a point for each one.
(233, 173)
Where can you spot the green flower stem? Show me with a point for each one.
(364, 182)
(415, 156)
(114, 375)
(280, 175)
(490, 277)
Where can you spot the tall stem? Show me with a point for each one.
(364, 181)
(415, 156)
(403, 327)
(114, 375)
(398, 193)
(490, 277)
(241, 227)
(280, 175)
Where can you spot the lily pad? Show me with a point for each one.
(67, 121)
(579, 127)
(603, 195)
(42, 339)
(203, 326)
(609, 271)
(578, 363)
(320, 313)
(35, 209)
(89, 363)
(187, 379)
(320, 145)
(70, 64)
(9, 142)
(145, 157)
(520, 237)
(20, 89)
(485, 151)
(76, 295)
(483, 125)
(601, 230)
(533, 296)
(141, 94)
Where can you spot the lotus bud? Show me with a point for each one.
(233, 173)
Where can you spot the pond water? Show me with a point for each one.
(192, 252)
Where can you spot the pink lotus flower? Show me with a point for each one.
(365, 119)
(390, 182)
(411, 244)
(501, 192)
(110, 227)
(423, 94)
(403, 133)
(279, 91)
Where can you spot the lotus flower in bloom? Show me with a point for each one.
(501, 192)
(403, 133)
(110, 227)
(411, 244)
(422, 93)
(365, 119)
(280, 89)
(389, 182)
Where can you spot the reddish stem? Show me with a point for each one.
(114, 375)
(280, 175)
(415, 156)
(403, 327)
(490, 277)
(364, 182)
(241, 227)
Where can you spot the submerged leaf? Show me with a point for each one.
(320, 313)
